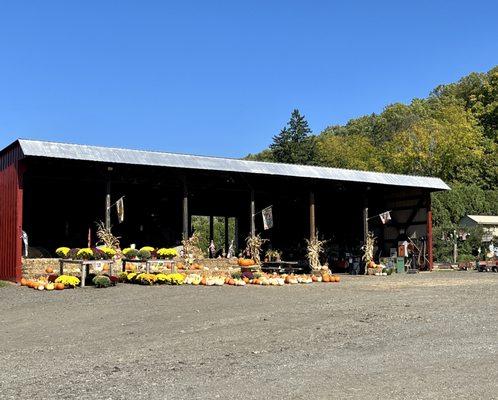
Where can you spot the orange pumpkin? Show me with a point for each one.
(203, 281)
(255, 281)
(59, 286)
(231, 281)
(24, 282)
(314, 278)
(246, 262)
(49, 270)
(326, 278)
(337, 278)
(245, 279)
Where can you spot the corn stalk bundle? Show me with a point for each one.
(253, 247)
(368, 248)
(106, 237)
(315, 249)
(191, 248)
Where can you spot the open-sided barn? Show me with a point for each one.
(54, 192)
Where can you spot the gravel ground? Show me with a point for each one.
(425, 336)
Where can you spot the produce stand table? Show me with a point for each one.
(147, 263)
(288, 267)
(84, 266)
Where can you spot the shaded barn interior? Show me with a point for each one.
(63, 199)
(62, 191)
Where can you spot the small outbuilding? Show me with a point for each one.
(489, 223)
(53, 193)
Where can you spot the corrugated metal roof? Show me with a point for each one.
(484, 219)
(36, 148)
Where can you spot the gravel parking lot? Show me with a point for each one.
(425, 336)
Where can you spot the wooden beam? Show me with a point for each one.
(211, 228)
(252, 211)
(185, 218)
(429, 233)
(108, 204)
(227, 239)
(236, 235)
(365, 228)
(312, 216)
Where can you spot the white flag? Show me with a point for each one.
(120, 209)
(385, 217)
(267, 218)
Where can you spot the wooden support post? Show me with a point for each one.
(227, 239)
(185, 217)
(429, 239)
(108, 205)
(211, 228)
(236, 235)
(253, 211)
(312, 216)
(365, 229)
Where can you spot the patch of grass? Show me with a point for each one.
(4, 284)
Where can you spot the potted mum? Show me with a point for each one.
(167, 254)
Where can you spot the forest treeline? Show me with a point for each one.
(451, 134)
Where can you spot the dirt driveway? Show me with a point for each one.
(426, 336)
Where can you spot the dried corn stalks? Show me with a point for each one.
(368, 248)
(253, 247)
(315, 249)
(106, 237)
(191, 249)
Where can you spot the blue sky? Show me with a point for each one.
(222, 77)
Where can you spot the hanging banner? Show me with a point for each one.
(120, 209)
(385, 217)
(267, 218)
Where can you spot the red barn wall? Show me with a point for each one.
(11, 214)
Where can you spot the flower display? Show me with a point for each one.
(165, 253)
(108, 251)
(85, 254)
(150, 249)
(145, 279)
(144, 254)
(130, 253)
(62, 252)
(68, 280)
(101, 281)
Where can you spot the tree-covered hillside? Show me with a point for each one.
(451, 134)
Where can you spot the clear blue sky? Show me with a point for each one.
(222, 77)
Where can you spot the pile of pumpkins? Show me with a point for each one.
(42, 283)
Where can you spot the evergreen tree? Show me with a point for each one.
(293, 144)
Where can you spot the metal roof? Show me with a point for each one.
(36, 148)
(484, 219)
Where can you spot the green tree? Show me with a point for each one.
(352, 152)
(447, 144)
(293, 144)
